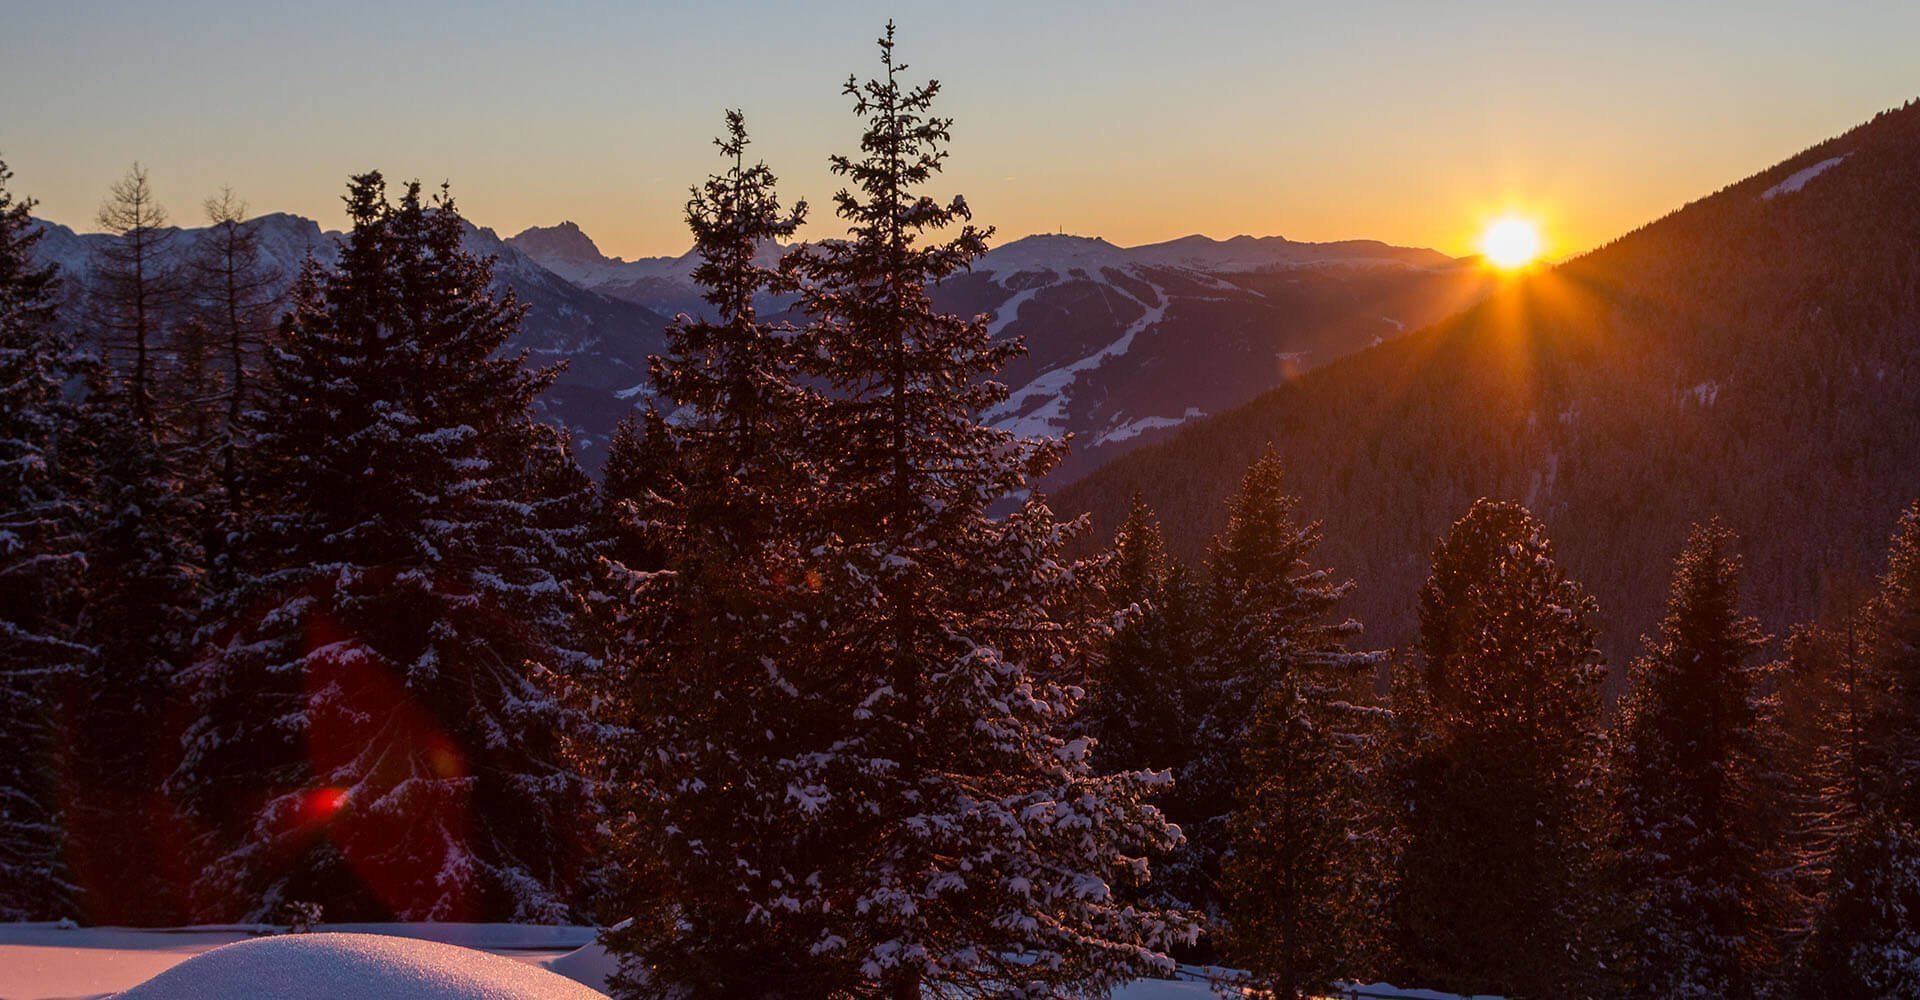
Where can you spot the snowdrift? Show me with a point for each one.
(354, 967)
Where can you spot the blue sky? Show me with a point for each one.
(1138, 122)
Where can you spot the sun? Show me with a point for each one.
(1511, 242)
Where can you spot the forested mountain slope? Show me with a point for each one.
(1754, 355)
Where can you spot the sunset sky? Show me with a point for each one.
(1413, 123)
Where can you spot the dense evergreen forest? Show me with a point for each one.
(304, 615)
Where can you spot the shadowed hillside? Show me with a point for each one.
(1755, 354)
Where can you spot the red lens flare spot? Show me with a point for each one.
(322, 804)
(444, 759)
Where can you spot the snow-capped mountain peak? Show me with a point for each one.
(1057, 252)
(567, 251)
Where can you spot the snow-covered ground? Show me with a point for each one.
(371, 961)
(48, 960)
(364, 966)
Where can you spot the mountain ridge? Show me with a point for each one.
(1124, 344)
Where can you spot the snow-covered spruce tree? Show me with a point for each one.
(374, 726)
(716, 693)
(637, 485)
(1281, 772)
(1819, 699)
(1700, 851)
(144, 563)
(1137, 694)
(143, 579)
(976, 846)
(1498, 767)
(42, 556)
(562, 505)
(1141, 691)
(1865, 943)
(1892, 666)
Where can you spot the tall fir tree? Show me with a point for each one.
(713, 688)
(1279, 778)
(1140, 692)
(977, 846)
(1864, 941)
(136, 291)
(143, 582)
(1820, 700)
(637, 490)
(1142, 689)
(42, 561)
(144, 565)
(632, 517)
(1700, 850)
(1498, 766)
(237, 298)
(1892, 665)
(376, 726)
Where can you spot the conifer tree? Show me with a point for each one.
(1280, 775)
(637, 485)
(191, 385)
(1820, 700)
(1498, 764)
(562, 504)
(1698, 843)
(144, 570)
(714, 687)
(144, 563)
(977, 847)
(1863, 941)
(376, 729)
(1142, 689)
(1891, 741)
(238, 298)
(1138, 697)
(42, 556)
(135, 289)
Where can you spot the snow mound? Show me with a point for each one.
(589, 964)
(354, 967)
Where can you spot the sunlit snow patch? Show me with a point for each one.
(1051, 387)
(1135, 428)
(1800, 178)
(362, 966)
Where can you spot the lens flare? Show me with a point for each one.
(321, 804)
